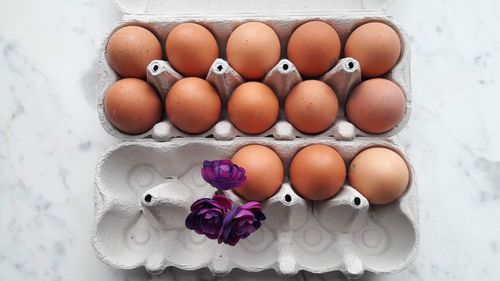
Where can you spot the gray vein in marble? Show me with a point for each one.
(50, 140)
(89, 84)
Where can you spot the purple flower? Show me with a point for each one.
(223, 174)
(241, 222)
(207, 215)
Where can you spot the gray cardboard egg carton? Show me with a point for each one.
(144, 186)
(144, 190)
(343, 77)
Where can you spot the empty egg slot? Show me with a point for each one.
(167, 205)
(347, 211)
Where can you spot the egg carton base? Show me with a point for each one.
(344, 233)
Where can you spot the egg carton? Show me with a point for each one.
(144, 188)
(343, 77)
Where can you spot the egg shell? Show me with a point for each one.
(380, 174)
(311, 106)
(376, 105)
(193, 105)
(376, 46)
(263, 169)
(253, 107)
(132, 106)
(130, 49)
(191, 49)
(317, 172)
(253, 48)
(314, 47)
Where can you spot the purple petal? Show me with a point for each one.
(202, 211)
(244, 213)
(207, 215)
(251, 205)
(231, 215)
(260, 216)
(189, 222)
(225, 202)
(207, 171)
(223, 174)
(226, 225)
(198, 203)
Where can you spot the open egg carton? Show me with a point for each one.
(145, 185)
(343, 77)
(144, 191)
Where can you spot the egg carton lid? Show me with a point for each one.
(262, 7)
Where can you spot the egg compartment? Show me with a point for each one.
(342, 77)
(144, 188)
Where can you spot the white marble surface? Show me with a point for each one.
(50, 140)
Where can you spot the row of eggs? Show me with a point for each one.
(253, 48)
(193, 105)
(317, 172)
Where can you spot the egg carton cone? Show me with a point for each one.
(342, 78)
(144, 189)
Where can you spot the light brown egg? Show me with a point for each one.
(191, 49)
(314, 48)
(376, 105)
(317, 172)
(130, 49)
(380, 174)
(253, 107)
(193, 105)
(264, 171)
(132, 106)
(311, 106)
(376, 46)
(253, 49)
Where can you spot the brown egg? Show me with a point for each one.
(264, 171)
(314, 48)
(253, 107)
(376, 46)
(376, 105)
(253, 49)
(132, 106)
(317, 172)
(130, 49)
(311, 106)
(193, 105)
(191, 49)
(380, 174)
